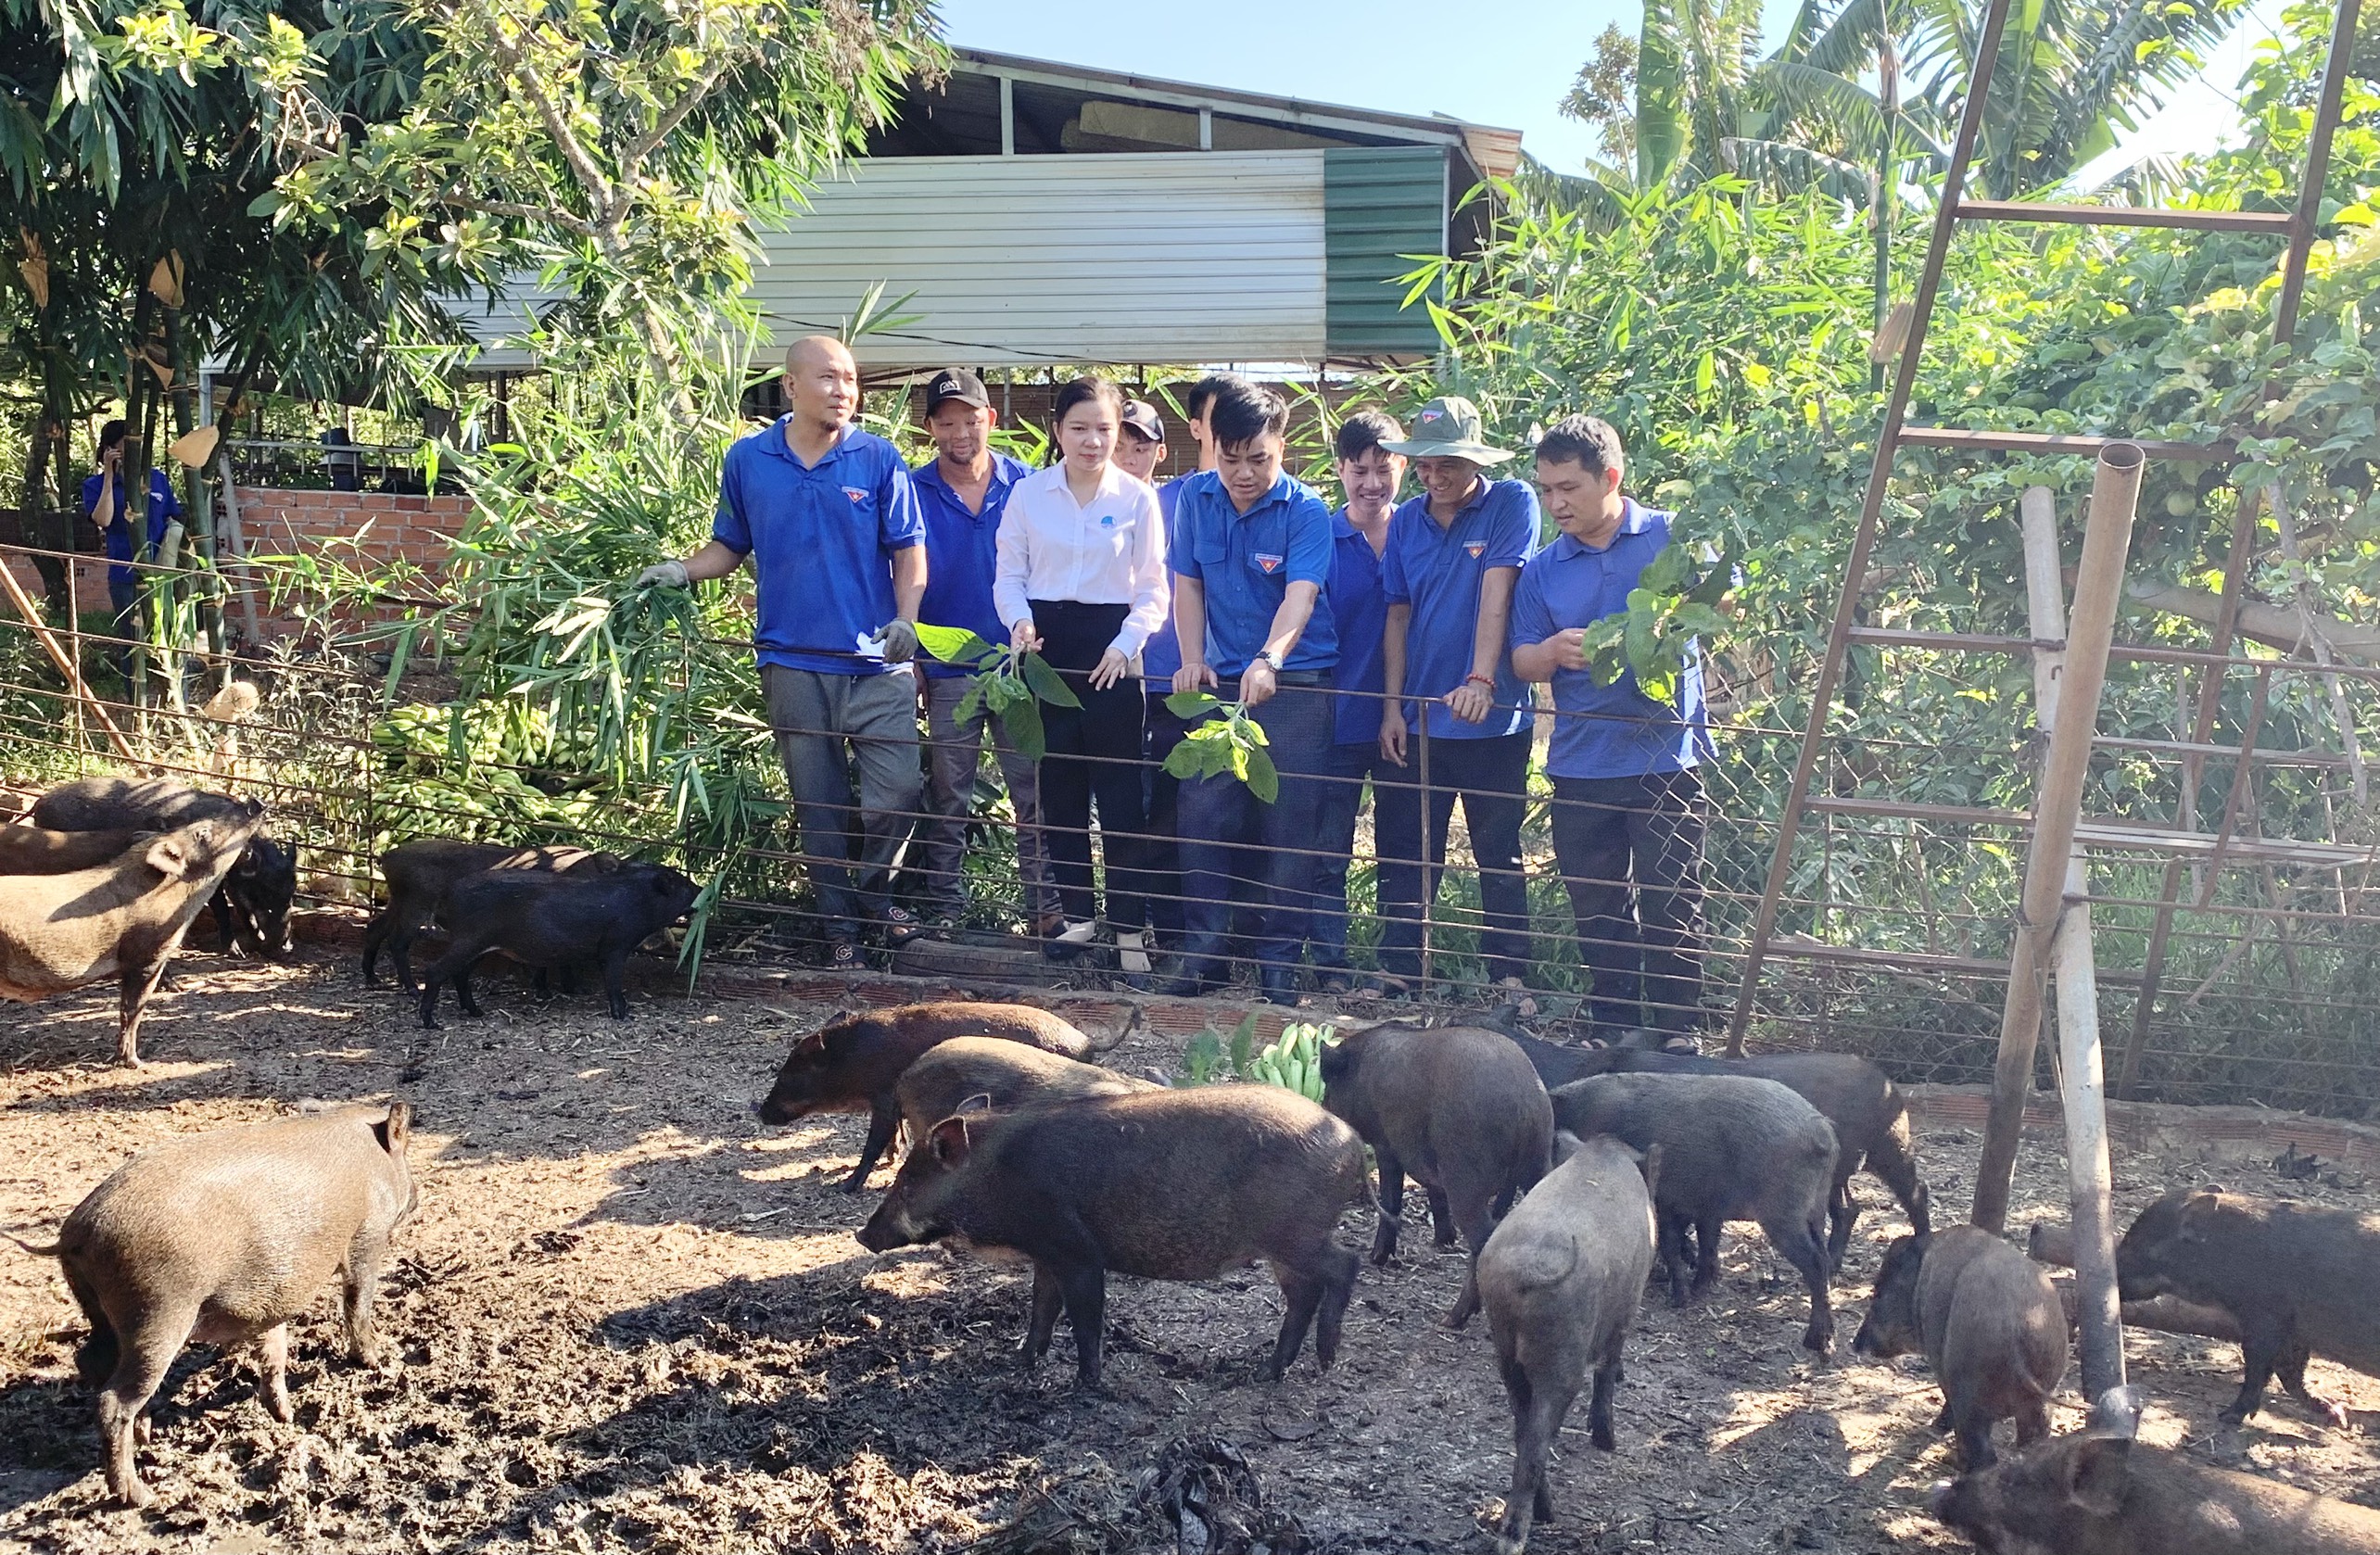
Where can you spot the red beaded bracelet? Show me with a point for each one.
(1484, 680)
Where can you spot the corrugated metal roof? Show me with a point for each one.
(1124, 258)
(1380, 207)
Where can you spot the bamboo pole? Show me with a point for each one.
(2080, 1077)
(2098, 589)
(66, 664)
(238, 540)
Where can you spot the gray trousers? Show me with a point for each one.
(825, 727)
(953, 750)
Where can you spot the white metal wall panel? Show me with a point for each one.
(1192, 256)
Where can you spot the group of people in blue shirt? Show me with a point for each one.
(1390, 646)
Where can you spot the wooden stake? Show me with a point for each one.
(66, 664)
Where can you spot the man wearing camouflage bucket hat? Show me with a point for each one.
(1452, 558)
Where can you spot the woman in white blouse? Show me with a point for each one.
(1081, 581)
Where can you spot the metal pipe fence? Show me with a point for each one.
(1894, 929)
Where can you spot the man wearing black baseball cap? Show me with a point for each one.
(963, 490)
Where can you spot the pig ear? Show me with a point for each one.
(2098, 1472)
(1565, 1144)
(815, 1043)
(949, 1141)
(167, 856)
(979, 1102)
(393, 1130)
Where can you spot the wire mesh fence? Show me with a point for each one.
(1894, 928)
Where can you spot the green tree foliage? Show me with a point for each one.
(624, 148)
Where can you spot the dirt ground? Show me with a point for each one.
(631, 1317)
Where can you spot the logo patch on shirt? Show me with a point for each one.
(857, 494)
(1106, 521)
(1268, 562)
(1475, 548)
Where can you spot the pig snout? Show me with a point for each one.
(1938, 1497)
(889, 1228)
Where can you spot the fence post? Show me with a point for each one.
(2081, 1078)
(2057, 809)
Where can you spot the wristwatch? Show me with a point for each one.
(1270, 657)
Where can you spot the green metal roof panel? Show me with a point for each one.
(1378, 207)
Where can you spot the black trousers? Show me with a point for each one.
(1491, 777)
(1161, 791)
(1610, 833)
(1093, 752)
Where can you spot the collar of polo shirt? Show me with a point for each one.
(1634, 520)
(782, 445)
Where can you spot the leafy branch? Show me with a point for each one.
(1668, 609)
(1013, 685)
(1233, 744)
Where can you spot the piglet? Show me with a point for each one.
(1560, 1277)
(223, 1237)
(548, 921)
(1988, 1322)
(852, 1062)
(420, 873)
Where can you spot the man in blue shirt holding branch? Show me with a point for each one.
(830, 519)
(107, 504)
(1628, 804)
(1250, 549)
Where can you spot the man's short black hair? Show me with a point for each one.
(1588, 442)
(1365, 431)
(1244, 412)
(112, 434)
(1205, 391)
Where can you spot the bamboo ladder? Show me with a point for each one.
(2053, 927)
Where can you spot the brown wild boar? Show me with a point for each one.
(1460, 1108)
(1990, 1323)
(2299, 1281)
(35, 849)
(1007, 1075)
(1560, 1277)
(1168, 1185)
(852, 1063)
(120, 920)
(2099, 1492)
(251, 906)
(1733, 1148)
(223, 1238)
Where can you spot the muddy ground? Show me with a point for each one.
(630, 1317)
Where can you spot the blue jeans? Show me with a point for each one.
(1216, 812)
(1340, 791)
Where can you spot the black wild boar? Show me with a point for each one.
(250, 905)
(546, 921)
(1460, 1108)
(1167, 1185)
(34, 849)
(1990, 1323)
(1560, 1279)
(2300, 1281)
(223, 1238)
(121, 920)
(852, 1063)
(1733, 1148)
(420, 873)
(2098, 1492)
(1871, 1122)
(1007, 1075)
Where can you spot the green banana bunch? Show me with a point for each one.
(1294, 1062)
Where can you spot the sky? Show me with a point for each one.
(1499, 62)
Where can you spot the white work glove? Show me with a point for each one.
(663, 575)
(900, 638)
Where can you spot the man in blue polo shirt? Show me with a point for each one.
(1627, 801)
(1454, 553)
(830, 519)
(961, 492)
(1370, 476)
(1250, 549)
(107, 504)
